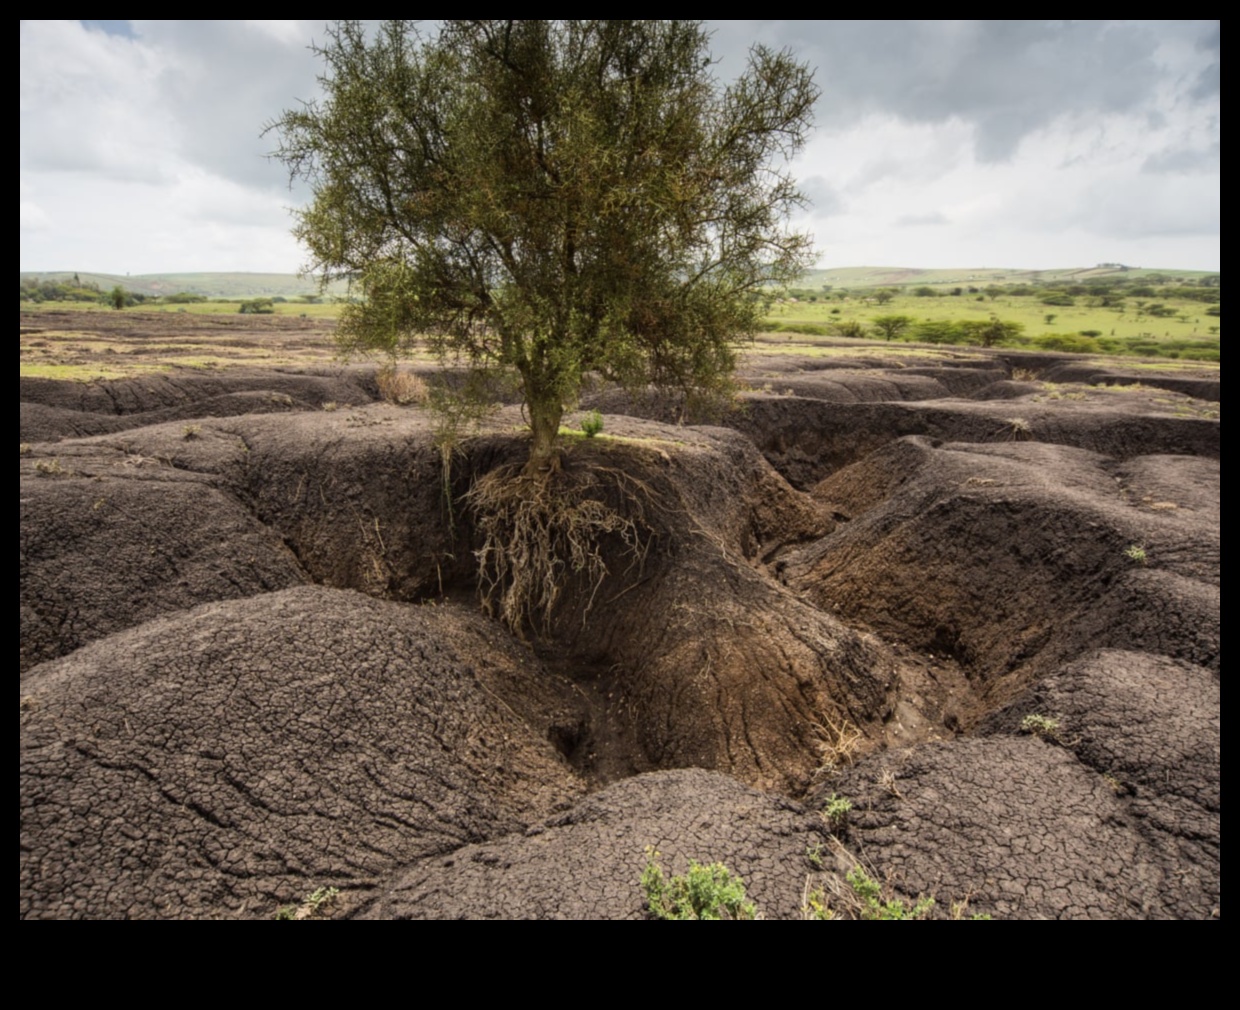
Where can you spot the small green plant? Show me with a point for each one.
(312, 905)
(1136, 554)
(1040, 725)
(592, 424)
(836, 812)
(330, 406)
(705, 892)
(191, 432)
(813, 852)
(875, 905)
(814, 905)
(49, 467)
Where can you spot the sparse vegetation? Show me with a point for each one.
(191, 432)
(49, 467)
(706, 892)
(1037, 724)
(861, 898)
(313, 906)
(1136, 554)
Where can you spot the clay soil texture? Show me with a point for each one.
(948, 616)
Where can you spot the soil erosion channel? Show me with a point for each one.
(976, 595)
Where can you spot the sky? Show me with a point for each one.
(1022, 144)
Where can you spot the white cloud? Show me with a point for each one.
(1034, 143)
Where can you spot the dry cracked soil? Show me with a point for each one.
(973, 593)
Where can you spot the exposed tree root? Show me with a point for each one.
(541, 532)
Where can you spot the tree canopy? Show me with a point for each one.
(552, 197)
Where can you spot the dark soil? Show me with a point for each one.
(984, 609)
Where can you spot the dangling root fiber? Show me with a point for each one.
(541, 532)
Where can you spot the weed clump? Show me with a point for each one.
(705, 892)
(401, 388)
(313, 906)
(1037, 724)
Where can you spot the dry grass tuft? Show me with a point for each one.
(401, 388)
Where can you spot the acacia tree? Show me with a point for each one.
(552, 198)
(891, 327)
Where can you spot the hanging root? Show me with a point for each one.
(542, 532)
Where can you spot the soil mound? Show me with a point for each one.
(1007, 560)
(302, 389)
(807, 440)
(231, 759)
(587, 862)
(109, 539)
(1105, 805)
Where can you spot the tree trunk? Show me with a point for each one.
(545, 415)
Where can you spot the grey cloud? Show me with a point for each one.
(1007, 77)
(1175, 160)
(921, 220)
(1141, 207)
(824, 200)
(226, 82)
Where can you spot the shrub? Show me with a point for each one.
(875, 905)
(592, 424)
(400, 388)
(705, 892)
(836, 812)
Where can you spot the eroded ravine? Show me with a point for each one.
(921, 589)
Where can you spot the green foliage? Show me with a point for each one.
(1040, 725)
(257, 306)
(705, 892)
(552, 197)
(875, 905)
(592, 424)
(893, 326)
(836, 811)
(1136, 554)
(117, 297)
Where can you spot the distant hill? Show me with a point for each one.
(878, 277)
(242, 285)
(213, 285)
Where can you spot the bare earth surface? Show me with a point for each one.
(975, 593)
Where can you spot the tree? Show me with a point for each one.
(118, 297)
(552, 198)
(891, 327)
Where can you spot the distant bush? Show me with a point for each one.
(260, 306)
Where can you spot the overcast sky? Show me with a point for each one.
(1032, 144)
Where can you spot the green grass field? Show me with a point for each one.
(1186, 333)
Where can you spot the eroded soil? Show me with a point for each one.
(253, 662)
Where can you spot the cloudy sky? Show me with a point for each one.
(1031, 144)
